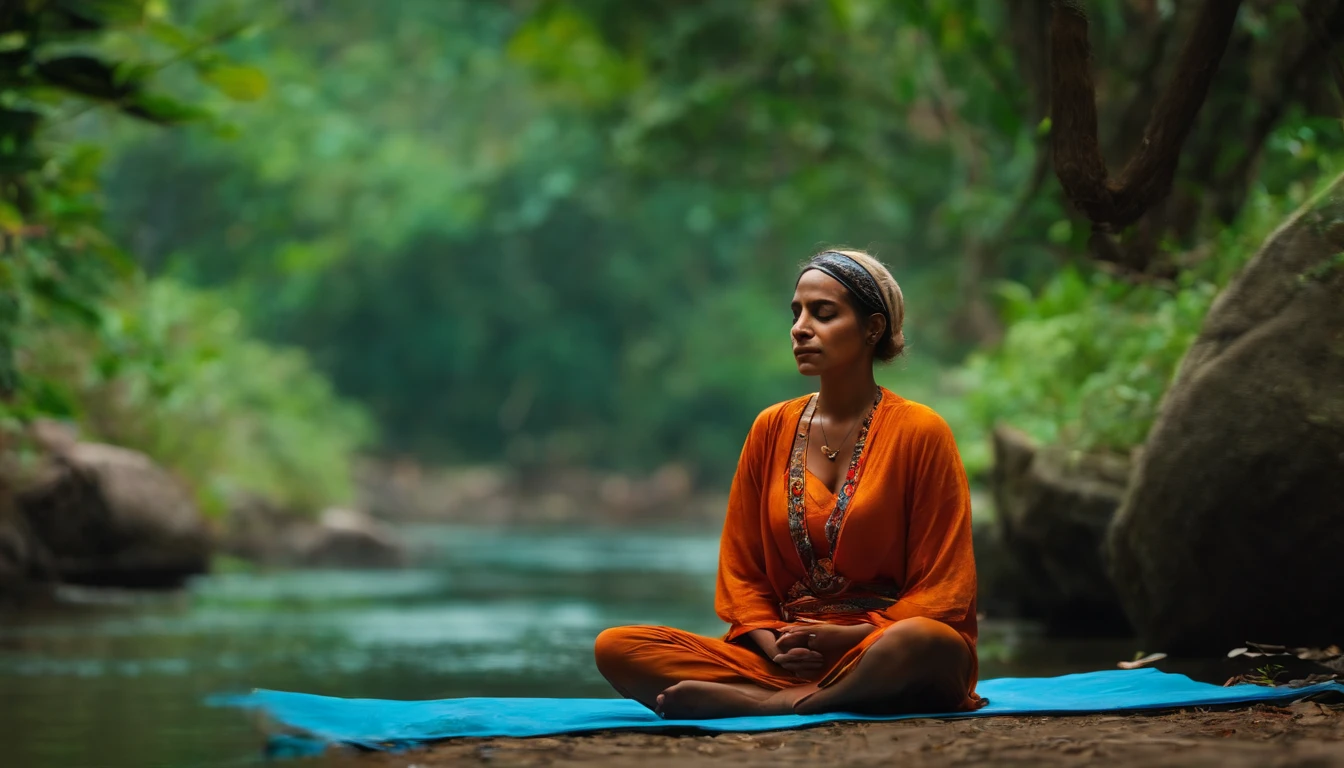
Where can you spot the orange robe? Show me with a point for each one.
(902, 550)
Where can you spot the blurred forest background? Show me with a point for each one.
(256, 239)
(462, 288)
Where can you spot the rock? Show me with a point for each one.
(110, 516)
(403, 491)
(1233, 527)
(1000, 583)
(347, 539)
(53, 437)
(25, 565)
(1052, 519)
(24, 562)
(257, 530)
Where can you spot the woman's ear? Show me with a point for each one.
(877, 324)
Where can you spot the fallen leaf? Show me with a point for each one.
(1146, 660)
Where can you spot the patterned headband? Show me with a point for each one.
(854, 277)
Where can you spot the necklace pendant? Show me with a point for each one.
(830, 454)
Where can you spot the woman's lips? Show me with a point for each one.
(805, 351)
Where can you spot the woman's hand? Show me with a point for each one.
(807, 650)
(800, 661)
(829, 640)
(803, 662)
(765, 640)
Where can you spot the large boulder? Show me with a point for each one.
(1053, 510)
(110, 516)
(1233, 528)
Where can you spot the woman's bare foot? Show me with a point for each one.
(696, 700)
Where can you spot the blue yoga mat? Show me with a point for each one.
(392, 725)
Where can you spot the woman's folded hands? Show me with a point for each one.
(808, 650)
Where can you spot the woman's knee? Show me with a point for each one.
(930, 660)
(920, 643)
(615, 647)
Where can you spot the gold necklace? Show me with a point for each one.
(826, 450)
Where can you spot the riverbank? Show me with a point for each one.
(1303, 734)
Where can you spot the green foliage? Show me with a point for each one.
(563, 236)
(149, 365)
(1268, 675)
(51, 67)
(1086, 359)
(564, 231)
(171, 371)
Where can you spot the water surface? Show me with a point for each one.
(118, 679)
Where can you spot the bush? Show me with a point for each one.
(171, 371)
(1085, 361)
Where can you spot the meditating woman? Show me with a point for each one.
(845, 568)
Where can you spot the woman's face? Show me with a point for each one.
(827, 333)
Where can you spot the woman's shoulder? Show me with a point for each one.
(773, 418)
(918, 419)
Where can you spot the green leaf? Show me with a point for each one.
(1060, 232)
(130, 74)
(163, 109)
(238, 82)
(11, 220)
(13, 41)
(171, 36)
(225, 129)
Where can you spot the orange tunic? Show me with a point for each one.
(903, 550)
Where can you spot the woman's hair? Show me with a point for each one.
(892, 343)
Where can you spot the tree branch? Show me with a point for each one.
(1146, 179)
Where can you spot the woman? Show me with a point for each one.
(845, 568)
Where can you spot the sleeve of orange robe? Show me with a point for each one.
(744, 597)
(940, 561)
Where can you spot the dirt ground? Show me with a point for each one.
(1305, 735)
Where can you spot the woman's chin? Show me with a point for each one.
(808, 368)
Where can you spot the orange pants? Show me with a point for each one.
(657, 657)
(642, 661)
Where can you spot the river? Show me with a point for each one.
(119, 679)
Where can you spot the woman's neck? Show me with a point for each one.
(845, 395)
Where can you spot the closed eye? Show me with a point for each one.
(822, 310)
